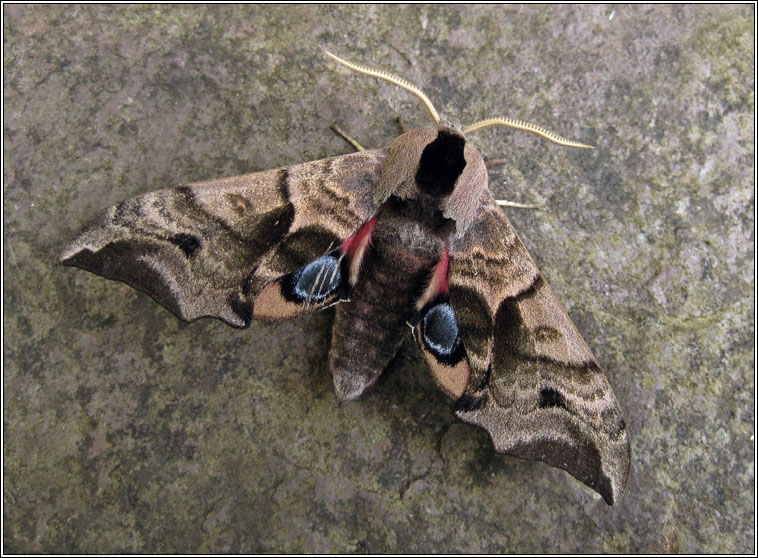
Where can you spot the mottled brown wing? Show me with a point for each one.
(535, 386)
(207, 249)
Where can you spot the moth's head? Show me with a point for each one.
(442, 160)
(436, 163)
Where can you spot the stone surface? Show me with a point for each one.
(129, 431)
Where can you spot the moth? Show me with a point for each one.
(408, 234)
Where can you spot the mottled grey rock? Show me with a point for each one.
(129, 431)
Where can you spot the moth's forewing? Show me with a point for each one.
(536, 387)
(208, 249)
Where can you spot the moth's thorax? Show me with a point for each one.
(413, 225)
(437, 165)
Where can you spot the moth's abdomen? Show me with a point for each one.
(369, 329)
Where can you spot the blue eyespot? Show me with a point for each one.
(314, 282)
(439, 332)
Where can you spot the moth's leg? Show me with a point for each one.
(358, 147)
(337, 130)
(489, 163)
(505, 203)
(400, 125)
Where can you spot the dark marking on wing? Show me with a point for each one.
(283, 183)
(547, 333)
(243, 309)
(486, 379)
(122, 211)
(580, 452)
(187, 243)
(333, 202)
(189, 206)
(239, 204)
(508, 324)
(469, 402)
(586, 368)
(301, 246)
(550, 397)
(613, 423)
(113, 261)
(271, 225)
(247, 283)
(537, 283)
(474, 324)
(516, 343)
(326, 174)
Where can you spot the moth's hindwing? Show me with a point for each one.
(312, 287)
(436, 333)
(320, 283)
(535, 387)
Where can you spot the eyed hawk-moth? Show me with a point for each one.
(408, 234)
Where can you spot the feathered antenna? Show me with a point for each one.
(392, 78)
(509, 122)
(527, 127)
